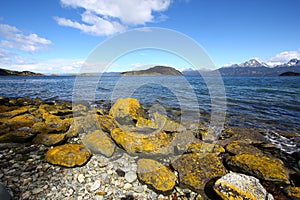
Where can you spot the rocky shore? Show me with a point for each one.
(56, 150)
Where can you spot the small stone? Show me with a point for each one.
(120, 172)
(130, 176)
(98, 197)
(95, 186)
(138, 189)
(127, 186)
(80, 178)
(37, 190)
(26, 195)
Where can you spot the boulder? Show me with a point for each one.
(22, 134)
(68, 155)
(196, 170)
(99, 142)
(49, 139)
(240, 186)
(293, 192)
(54, 124)
(156, 175)
(204, 148)
(238, 147)
(260, 166)
(140, 142)
(126, 111)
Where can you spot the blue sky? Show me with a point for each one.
(56, 36)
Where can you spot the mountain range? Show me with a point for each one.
(252, 68)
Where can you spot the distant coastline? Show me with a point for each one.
(6, 72)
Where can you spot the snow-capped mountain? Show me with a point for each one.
(250, 63)
(255, 68)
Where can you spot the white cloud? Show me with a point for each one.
(16, 39)
(51, 66)
(106, 17)
(283, 57)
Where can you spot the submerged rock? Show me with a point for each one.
(196, 170)
(156, 175)
(135, 142)
(68, 155)
(260, 166)
(240, 186)
(99, 142)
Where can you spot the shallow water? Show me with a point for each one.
(269, 103)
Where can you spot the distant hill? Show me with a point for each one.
(154, 71)
(290, 74)
(6, 72)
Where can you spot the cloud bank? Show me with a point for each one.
(107, 17)
(16, 39)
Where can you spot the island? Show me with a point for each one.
(6, 72)
(290, 74)
(154, 71)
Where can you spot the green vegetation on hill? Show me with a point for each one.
(6, 72)
(154, 71)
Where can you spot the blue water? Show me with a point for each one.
(269, 103)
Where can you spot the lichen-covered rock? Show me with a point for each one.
(159, 121)
(135, 142)
(156, 175)
(196, 170)
(99, 142)
(49, 139)
(19, 121)
(54, 124)
(238, 147)
(260, 166)
(68, 155)
(126, 111)
(22, 134)
(293, 192)
(205, 148)
(240, 186)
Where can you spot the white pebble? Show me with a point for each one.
(130, 176)
(95, 186)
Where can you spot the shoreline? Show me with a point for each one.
(38, 126)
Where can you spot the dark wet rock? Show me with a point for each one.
(246, 135)
(240, 186)
(4, 194)
(196, 170)
(120, 172)
(260, 166)
(238, 147)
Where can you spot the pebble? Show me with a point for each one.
(80, 178)
(127, 186)
(37, 190)
(130, 176)
(95, 186)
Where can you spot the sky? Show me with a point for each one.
(56, 36)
